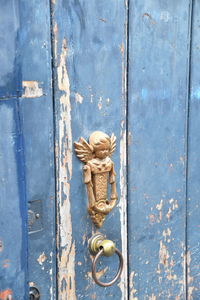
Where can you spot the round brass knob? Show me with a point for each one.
(108, 247)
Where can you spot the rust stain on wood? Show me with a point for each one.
(6, 294)
(66, 246)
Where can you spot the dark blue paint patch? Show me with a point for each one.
(13, 234)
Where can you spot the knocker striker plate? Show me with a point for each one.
(98, 169)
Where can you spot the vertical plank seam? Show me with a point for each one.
(127, 135)
(190, 31)
(25, 217)
(55, 270)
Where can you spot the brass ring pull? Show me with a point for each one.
(100, 246)
(94, 275)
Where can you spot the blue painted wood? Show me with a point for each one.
(10, 73)
(193, 185)
(26, 150)
(13, 224)
(36, 107)
(13, 237)
(158, 89)
(89, 40)
(89, 82)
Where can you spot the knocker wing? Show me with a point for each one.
(113, 144)
(83, 150)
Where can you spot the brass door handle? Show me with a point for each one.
(100, 246)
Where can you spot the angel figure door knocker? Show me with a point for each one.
(98, 169)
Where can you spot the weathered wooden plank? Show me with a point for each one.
(36, 110)
(13, 235)
(158, 89)
(13, 238)
(90, 70)
(193, 185)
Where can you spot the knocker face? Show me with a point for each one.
(101, 144)
(97, 170)
(102, 153)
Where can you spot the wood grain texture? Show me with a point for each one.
(157, 118)
(89, 77)
(193, 184)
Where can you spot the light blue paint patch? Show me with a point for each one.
(144, 94)
(195, 94)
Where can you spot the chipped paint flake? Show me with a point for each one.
(55, 33)
(166, 234)
(123, 186)
(152, 297)
(160, 205)
(31, 89)
(99, 273)
(132, 287)
(190, 291)
(163, 254)
(66, 246)
(42, 258)
(78, 98)
(122, 208)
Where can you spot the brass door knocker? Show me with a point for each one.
(97, 170)
(100, 246)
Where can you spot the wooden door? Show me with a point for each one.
(73, 67)
(128, 67)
